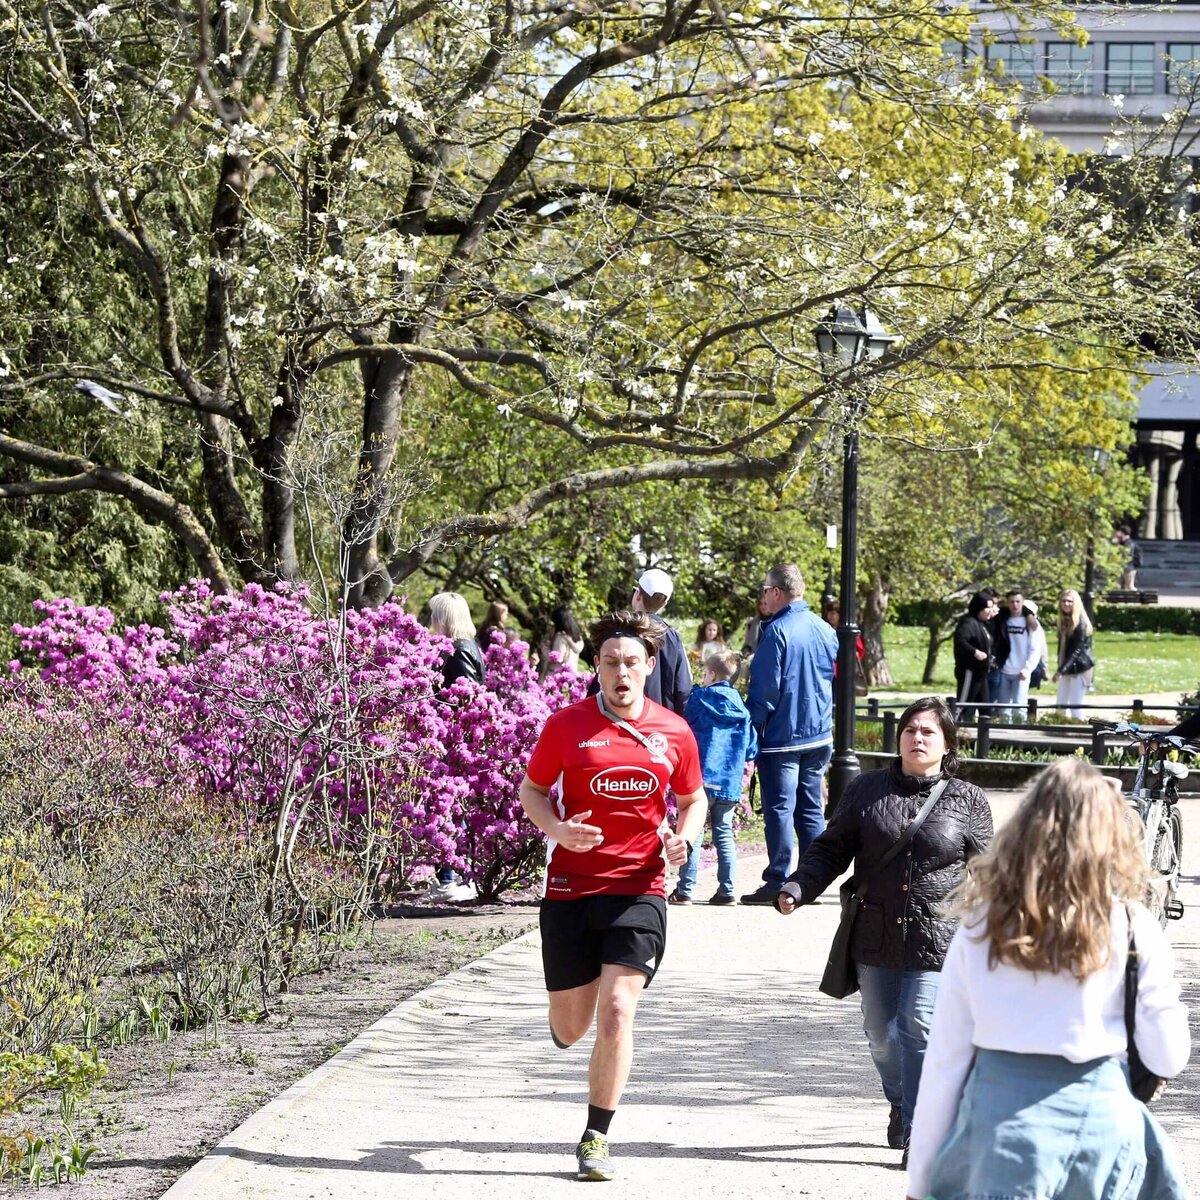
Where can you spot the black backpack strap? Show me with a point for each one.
(1131, 984)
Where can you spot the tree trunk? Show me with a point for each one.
(874, 613)
(937, 635)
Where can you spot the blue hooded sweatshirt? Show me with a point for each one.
(721, 723)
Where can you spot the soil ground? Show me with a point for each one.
(162, 1106)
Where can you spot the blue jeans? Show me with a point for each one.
(1013, 690)
(897, 1007)
(720, 813)
(790, 787)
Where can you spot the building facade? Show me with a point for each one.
(1141, 61)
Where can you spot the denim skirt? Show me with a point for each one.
(1037, 1127)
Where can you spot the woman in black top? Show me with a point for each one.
(450, 616)
(900, 937)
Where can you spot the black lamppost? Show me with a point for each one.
(1099, 463)
(844, 338)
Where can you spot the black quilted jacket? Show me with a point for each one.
(898, 925)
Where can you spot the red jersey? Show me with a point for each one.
(601, 767)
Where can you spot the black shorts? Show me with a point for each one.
(579, 936)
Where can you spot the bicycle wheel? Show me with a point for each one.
(1164, 865)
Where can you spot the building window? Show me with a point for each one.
(1069, 66)
(1183, 67)
(1130, 68)
(1014, 61)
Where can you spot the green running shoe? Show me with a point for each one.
(592, 1157)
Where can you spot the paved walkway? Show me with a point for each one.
(747, 1082)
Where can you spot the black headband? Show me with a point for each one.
(628, 633)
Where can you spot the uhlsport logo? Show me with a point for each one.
(625, 783)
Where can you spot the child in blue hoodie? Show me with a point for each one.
(721, 723)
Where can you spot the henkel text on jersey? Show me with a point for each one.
(603, 769)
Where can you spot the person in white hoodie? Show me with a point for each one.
(1024, 653)
(1024, 1088)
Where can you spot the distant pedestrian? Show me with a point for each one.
(494, 622)
(790, 698)
(613, 758)
(1074, 654)
(671, 678)
(973, 655)
(1024, 1090)
(727, 741)
(1037, 634)
(1020, 659)
(1132, 557)
(900, 936)
(450, 616)
(709, 639)
(753, 631)
(566, 643)
(831, 613)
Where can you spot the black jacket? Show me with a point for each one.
(671, 680)
(999, 631)
(464, 662)
(971, 634)
(898, 926)
(1075, 655)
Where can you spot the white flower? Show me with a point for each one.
(1117, 101)
(815, 138)
(505, 410)
(645, 258)
(358, 165)
(845, 174)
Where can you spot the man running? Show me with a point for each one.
(604, 919)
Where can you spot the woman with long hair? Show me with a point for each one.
(1074, 653)
(493, 623)
(1024, 1090)
(900, 936)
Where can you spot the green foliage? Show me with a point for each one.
(43, 974)
(1148, 618)
(370, 335)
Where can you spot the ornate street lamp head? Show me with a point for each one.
(846, 336)
(841, 339)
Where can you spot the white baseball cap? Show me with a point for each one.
(656, 583)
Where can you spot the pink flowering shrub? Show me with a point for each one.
(327, 738)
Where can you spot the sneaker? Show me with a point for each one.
(896, 1128)
(591, 1157)
(677, 897)
(722, 898)
(762, 895)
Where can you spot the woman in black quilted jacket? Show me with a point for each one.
(900, 937)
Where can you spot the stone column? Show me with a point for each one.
(1172, 519)
(1148, 525)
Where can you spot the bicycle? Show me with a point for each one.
(1158, 808)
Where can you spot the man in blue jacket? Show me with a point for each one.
(791, 704)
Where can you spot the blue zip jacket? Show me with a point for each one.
(725, 736)
(791, 680)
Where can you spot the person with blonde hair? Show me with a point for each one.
(1074, 653)
(450, 615)
(1024, 1090)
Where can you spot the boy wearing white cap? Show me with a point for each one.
(671, 680)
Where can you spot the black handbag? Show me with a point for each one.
(841, 974)
(1143, 1083)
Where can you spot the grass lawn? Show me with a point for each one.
(1126, 663)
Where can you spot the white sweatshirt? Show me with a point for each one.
(1024, 649)
(1009, 1008)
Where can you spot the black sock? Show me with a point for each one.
(599, 1119)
